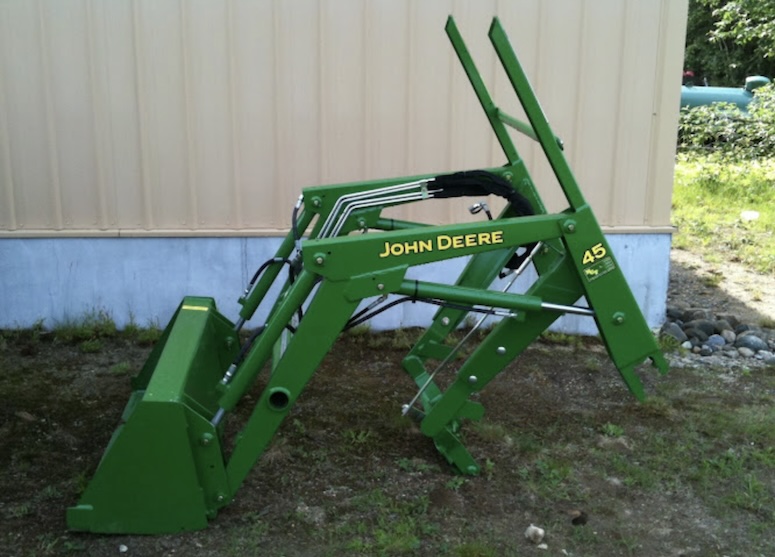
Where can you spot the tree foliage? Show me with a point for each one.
(728, 40)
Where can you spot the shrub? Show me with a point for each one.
(722, 128)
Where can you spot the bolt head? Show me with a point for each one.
(445, 321)
(501, 350)
(380, 287)
(472, 379)
(319, 260)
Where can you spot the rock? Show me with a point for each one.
(729, 318)
(534, 534)
(696, 313)
(686, 345)
(742, 328)
(697, 334)
(723, 325)
(674, 331)
(770, 361)
(578, 518)
(731, 353)
(673, 313)
(715, 341)
(705, 325)
(745, 352)
(706, 350)
(729, 336)
(122, 548)
(751, 341)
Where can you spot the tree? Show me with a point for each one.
(728, 40)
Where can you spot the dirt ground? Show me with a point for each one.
(563, 445)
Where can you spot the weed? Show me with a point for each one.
(669, 344)
(767, 322)
(360, 330)
(573, 341)
(20, 511)
(50, 492)
(385, 526)
(489, 468)
(91, 325)
(612, 430)
(121, 368)
(150, 335)
(358, 437)
(416, 465)
(456, 483)
(90, 346)
(713, 279)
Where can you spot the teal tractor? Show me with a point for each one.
(167, 467)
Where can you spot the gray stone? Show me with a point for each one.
(745, 352)
(705, 325)
(723, 325)
(731, 353)
(696, 335)
(706, 350)
(729, 336)
(742, 328)
(674, 331)
(729, 318)
(696, 313)
(770, 361)
(674, 313)
(764, 354)
(750, 341)
(686, 345)
(716, 341)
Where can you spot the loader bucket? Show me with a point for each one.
(163, 468)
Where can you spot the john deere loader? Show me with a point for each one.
(166, 468)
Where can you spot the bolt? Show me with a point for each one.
(507, 176)
(618, 318)
(472, 379)
(319, 260)
(500, 350)
(316, 202)
(570, 227)
(445, 321)
(380, 286)
(220, 498)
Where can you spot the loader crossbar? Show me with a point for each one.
(166, 468)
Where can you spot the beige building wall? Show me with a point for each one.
(196, 117)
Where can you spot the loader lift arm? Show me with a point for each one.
(165, 468)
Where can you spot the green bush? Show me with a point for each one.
(723, 129)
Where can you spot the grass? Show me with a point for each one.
(712, 208)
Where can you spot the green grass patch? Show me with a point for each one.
(725, 210)
(92, 325)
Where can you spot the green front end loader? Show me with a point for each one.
(169, 467)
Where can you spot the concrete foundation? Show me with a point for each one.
(55, 280)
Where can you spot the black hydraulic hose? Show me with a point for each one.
(360, 317)
(264, 266)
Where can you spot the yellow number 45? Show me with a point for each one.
(593, 254)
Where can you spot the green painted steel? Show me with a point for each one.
(166, 470)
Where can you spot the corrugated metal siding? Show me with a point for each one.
(200, 117)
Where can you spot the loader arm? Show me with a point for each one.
(166, 468)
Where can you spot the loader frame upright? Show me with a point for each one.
(166, 468)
